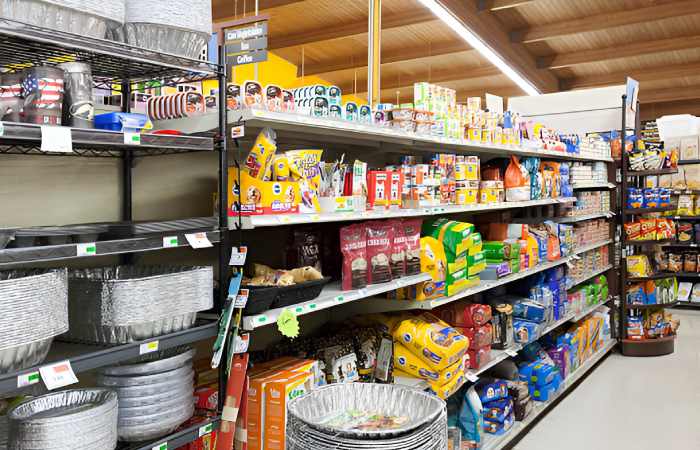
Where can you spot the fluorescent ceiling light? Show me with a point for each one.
(472, 39)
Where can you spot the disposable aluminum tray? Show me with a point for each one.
(164, 425)
(4, 431)
(194, 15)
(92, 18)
(24, 355)
(165, 39)
(143, 380)
(34, 307)
(65, 420)
(120, 304)
(166, 402)
(393, 400)
(127, 403)
(152, 363)
(156, 417)
(156, 388)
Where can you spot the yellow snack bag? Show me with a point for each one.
(444, 391)
(433, 262)
(432, 340)
(259, 159)
(304, 167)
(280, 168)
(411, 364)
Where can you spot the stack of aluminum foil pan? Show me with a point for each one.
(34, 309)
(92, 18)
(178, 27)
(118, 305)
(308, 425)
(155, 395)
(81, 419)
(4, 432)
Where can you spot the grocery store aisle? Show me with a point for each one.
(631, 403)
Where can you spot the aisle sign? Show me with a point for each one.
(246, 43)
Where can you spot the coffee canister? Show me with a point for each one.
(42, 89)
(78, 101)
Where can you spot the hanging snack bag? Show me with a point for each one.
(411, 231)
(304, 167)
(380, 237)
(517, 181)
(353, 245)
(260, 156)
(432, 340)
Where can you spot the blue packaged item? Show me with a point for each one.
(498, 410)
(490, 389)
(664, 197)
(532, 165)
(531, 311)
(636, 295)
(471, 421)
(635, 198)
(546, 392)
(120, 121)
(651, 198)
(524, 331)
(534, 352)
(538, 373)
(499, 428)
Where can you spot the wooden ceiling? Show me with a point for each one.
(557, 44)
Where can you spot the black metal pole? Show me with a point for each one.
(224, 245)
(127, 160)
(623, 219)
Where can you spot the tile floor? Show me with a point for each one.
(631, 403)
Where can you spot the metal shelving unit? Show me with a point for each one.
(116, 64)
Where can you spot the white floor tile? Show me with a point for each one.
(631, 403)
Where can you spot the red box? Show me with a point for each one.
(465, 315)
(478, 336)
(479, 357)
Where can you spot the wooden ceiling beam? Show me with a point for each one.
(443, 76)
(223, 10)
(670, 94)
(359, 61)
(620, 51)
(497, 5)
(651, 111)
(605, 21)
(490, 30)
(351, 29)
(646, 74)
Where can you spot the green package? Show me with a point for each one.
(452, 234)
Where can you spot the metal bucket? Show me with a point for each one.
(42, 88)
(78, 101)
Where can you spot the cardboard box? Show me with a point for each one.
(278, 391)
(689, 148)
(261, 197)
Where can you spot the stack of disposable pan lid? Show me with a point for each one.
(4, 431)
(425, 416)
(33, 310)
(81, 419)
(118, 305)
(155, 395)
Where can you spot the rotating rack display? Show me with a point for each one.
(116, 64)
(646, 347)
(296, 131)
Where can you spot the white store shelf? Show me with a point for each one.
(492, 442)
(575, 219)
(594, 185)
(269, 220)
(332, 295)
(386, 305)
(591, 275)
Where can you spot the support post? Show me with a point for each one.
(374, 52)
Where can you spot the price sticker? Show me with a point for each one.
(170, 241)
(148, 347)
(132, 138)
(472, 377)
(89, 249)
(340, 298)
(241, 344)
(238, 256)
(198, 240)
(28, 379)
(362, 293)
(511, 352)
(58, 375)
(56, 139)
(206, 429)
(163, 446)
(238, 132)
(284, 219)
(241, 298)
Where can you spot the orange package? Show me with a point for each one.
(665, 229)
(517, 181)
(648, 229)
(633, 231)
(286, 386)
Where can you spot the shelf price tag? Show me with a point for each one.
(58, 375)
(148, 347)
(89, 249)
(206, 429)
(472, 377)
(241, 343)
(56, 139)
(27, 379)
(163, 446)
(238, 256)
(170, 241)
(198, 240)
(241, 298)
(238, 132)
(511, 352)
(132, 138)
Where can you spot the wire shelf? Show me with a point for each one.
(23, 45)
